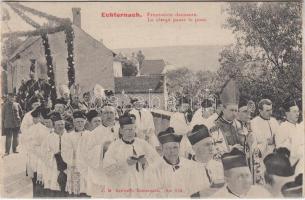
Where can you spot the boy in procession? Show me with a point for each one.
(76, 182)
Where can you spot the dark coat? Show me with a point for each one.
(11, 114)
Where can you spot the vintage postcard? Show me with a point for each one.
(152, 99)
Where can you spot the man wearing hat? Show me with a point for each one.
(265, 128)
(278, 171)
(225, 131)
(43, 168)
(99, 141)
(174, 175)
(204, 149)
(32, 139)
(76, 183)
(144, 122)
(203, 113)
(60, 106)
(93, 123)
(11, 120)
(238, 178)
(291, 133)
(126, 160)
(53, 158)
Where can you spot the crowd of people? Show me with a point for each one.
(77, 149)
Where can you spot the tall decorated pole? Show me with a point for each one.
(50, 68)
(70, 48)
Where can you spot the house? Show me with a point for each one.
(152, 67)
(150, 89)
(93, 61)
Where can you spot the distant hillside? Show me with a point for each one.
(194, 57)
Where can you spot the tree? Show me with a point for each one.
(184, 82)
(128, 68)
(267, 54)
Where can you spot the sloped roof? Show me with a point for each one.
(24, 45)
(152, 67)
(139, 84)
(31, 40)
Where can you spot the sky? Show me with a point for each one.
(138, 32)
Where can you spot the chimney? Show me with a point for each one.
(76, 17)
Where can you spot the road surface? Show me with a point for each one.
(14, 183)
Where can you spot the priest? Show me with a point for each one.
(173, 175)
(98, 143)
(211, 166)
(225, 132)
(126, 160)
(32, 140)
(238, 178)
(144, 123)
(265, 128)
(76, 182)
(53, 159)
(203, 113)
(279, 171)
(291, 133)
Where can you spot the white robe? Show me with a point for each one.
(145, 126)
(182, 127)
(32, 140)
(210, 121)
(45, 167)
(51, 148)
(96, 146)
(291, 136)
(198, 118)
(82, 159)
(76, 183)
(183, 182)
(27, 122)
(179, 123)
(262, 130)
(120, 174)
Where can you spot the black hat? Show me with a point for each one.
(127, 118)
(277, 163)
(45, 113)
(91, 114)
(294, 188)
(36, 112)
(60, 101)
(55, 116)
(206, 103)
(289, 102)
(234, 159)
(78, 114)
(169, 136)
(199, 133)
